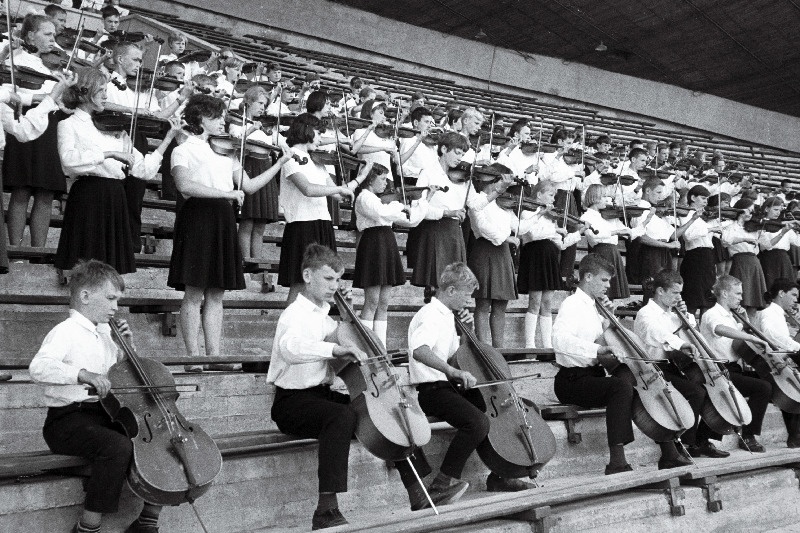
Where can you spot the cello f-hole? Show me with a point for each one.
(377, 391)
(494, 412)
(149, 437)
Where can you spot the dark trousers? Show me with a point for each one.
(134, 195)
(695, 394)
(465, 412)
(758, 393)
(322, 414)
(591, 388)
(85, 430)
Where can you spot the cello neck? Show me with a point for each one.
(622, 330)
(751, 328)
(347, 309)
(698, 338)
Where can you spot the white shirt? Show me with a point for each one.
(73, 345)
(31, 125)
(127, 96)
(736, 230)
(657, 327)
(542, 227)
(518, 162)
(423, 157)
(698, 235)
(604, 228)
(557, 171)
(576, 330)
(81, 146)
(371, 212)
(442, 201)
(722, 346)
(300, 355)
(298, 207)
(205, 167)
(493, 223)
(657, 228)
(433, 326)
(789, 239)
(771, 321)
(373, 141)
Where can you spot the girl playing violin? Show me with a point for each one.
(605, 242)
(206, 258)
(539, 265)
(775, 245)
(743, 247)
(367, 144)
(697, 267)
(96, 222)
(261, 207)
(304, 188)
(31, 168)
(490, 257)
(378, 266)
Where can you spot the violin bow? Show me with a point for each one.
(334, 125)
(472, 170)
(491, 135)
(78, 38)
(241, 147)
(153, 77)
(135, 113)
(346, 121)
(719, 200)
(18, 107)
(399, 157)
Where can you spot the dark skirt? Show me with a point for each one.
(296, 238)
(539, 267)
(794, 255)
(494, 268)
(262, 205)
(378, 261)
(653, 260)
(619, 283)
(776, 264)
(436, 244)
(720, 252)
(699, 273)
(568, 255)
(96, 225)
(3, 235)
(632, 262)
(746, 268)
(36, 163)
(205, 251)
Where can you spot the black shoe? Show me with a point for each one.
(750, 443)
(495, 483)
(442, 495)
(679, 461)
(616, 469)
(793, 441)
(707, 449)
(325, 519)
(137, 528)
(5, 377)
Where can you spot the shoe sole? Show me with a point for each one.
(455, 496)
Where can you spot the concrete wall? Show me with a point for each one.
(325, 23)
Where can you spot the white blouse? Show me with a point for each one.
(81, 146)
(127, 96)
(604, 228)
(205, 167)
(23, 58)
(699, 234)
(790, 238)
(373, 141)
(297, 207)
(423, 157)
(371, 212)
(31, 125)
(493, 223)
(452, 200)
(736, 230)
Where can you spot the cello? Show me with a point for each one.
(174, 460)
(724, 409)
(391, 424)
(519, 442)
(782, 373)
(659, 411)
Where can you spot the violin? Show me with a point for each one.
(770, 225)
(58, 58)
(242, 84)
(174, 460)
(162, 83)
(630, 211)
(26, 77)
(226, 145)
(432, 136)
(529, 148)
(724, 410)
(113, 121)
(460, 173)
(782, 373)
(519, 442)
(412, 193)
(68, 37)
(659, 411)
(609, 178)
(200, 56)
(391, 424)
(122, 36)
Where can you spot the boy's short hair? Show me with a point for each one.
(109, 11)
(452, 140)
(171, 65)
(317, 256)
(457, 275)
(594, 264)
(651, 184)
(724, 283)
(92, 274)
(176, 37)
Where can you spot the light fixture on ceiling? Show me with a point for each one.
(481, 34)
(601, 47)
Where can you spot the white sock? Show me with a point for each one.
(530, 329)
(367, 323)
(380, 327)
(546, 331)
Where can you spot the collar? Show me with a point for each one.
(439, 306)
(193, 139)
(656, 308)
(82, 115)
(307, 305)
(582, 296)
(81, 320)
